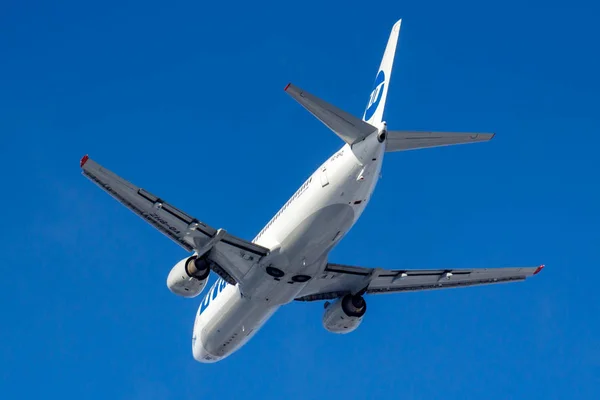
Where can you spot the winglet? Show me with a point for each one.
(539, 269)
(83, 160)
(287, 86)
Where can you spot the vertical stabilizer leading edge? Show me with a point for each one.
(374, 111)
(348, 127)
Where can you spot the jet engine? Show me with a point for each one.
(345, 314)
(189, 276)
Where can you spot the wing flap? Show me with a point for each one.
(233, 256)
(348, 127)
(412, 140)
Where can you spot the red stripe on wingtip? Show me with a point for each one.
(537, 271)
(83, 160)
(287, 86)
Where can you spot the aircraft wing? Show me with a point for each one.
(338, 280)
(231, 257)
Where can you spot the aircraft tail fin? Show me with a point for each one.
(376, 105)
(348, 127)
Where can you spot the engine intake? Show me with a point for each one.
(188, 277)
(345, 314)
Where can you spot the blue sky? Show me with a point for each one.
(186, 99)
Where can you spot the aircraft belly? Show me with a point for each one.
(237, 322)
(315, 235)
(300, 245)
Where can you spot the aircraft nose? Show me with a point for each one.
(201, 354)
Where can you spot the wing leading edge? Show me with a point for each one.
(338, 280)
(231, 257)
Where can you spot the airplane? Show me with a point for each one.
(288, 259)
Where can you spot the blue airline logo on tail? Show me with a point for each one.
(376, 95)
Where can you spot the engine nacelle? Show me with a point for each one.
(345, 314)
(188, 277)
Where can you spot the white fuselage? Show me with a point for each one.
(299, 237)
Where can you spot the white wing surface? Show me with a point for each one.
(338, 280)
(230, 257)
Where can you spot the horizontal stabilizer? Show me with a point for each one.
(410, 140)
(349, 128)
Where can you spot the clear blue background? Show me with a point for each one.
(186, 100)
